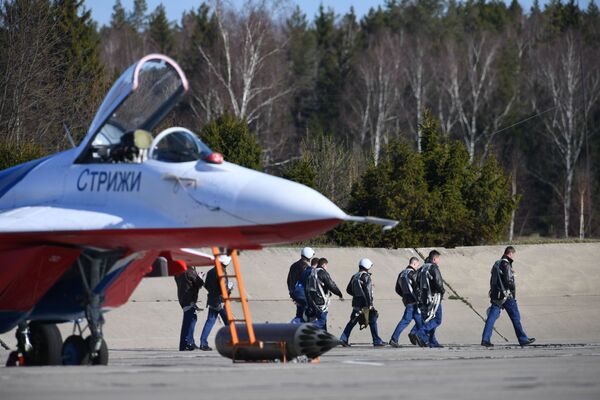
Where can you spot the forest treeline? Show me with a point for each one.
(470, 121)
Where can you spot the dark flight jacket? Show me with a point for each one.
(188, 285)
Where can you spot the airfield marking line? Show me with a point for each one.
(375, 364)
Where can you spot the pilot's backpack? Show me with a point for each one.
(428, 302)
(398, 287)
(501, 294)
(404, 287)
(315, 292)
(298, 294)
(354, 287)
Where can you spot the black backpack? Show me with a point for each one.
(424, 295)
(354, 287)
(315, 291)
(498, 293)
(398, 287)
(404, 286)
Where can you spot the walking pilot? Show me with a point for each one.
(188, 285)
(297, 293)
(503, 296)
(431, 293)
(406, 287)
(360, 288)
(319, 287)
(214, 300)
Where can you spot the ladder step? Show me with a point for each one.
(228, 276)
(238, 320)
(233, 299)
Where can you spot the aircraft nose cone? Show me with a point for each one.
(273, 200)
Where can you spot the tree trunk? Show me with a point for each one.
(581, 215)
(511, 231)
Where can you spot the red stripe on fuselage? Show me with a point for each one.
(237, 237)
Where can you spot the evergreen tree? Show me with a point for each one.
(160, 31)
(200, 29)
(438, 197)
(118, 18)
(328, 81)
(82, 73)
(301, 171)
(138, 17)
(301, 57)
(230, 137)
(12, 154)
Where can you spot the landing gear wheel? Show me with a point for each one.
(102, 356)
(46, 343)
(15, 359)
(74, 350)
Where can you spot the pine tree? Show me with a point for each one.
(230, 137)
(138, 17)
(301, 171)
(160, 31)
(82, 73)
(329, 80)
(301, 55)
(438, 197)
(118, 18)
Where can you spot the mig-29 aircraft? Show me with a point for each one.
(79, 229)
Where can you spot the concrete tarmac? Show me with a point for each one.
(361, 371)
(558, 289)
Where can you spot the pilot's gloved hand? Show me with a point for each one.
(229, 286)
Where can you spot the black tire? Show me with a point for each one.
(46, 343)
(13, 359)
(74, 350)
(101, 358)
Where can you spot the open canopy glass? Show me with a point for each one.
(134, 106)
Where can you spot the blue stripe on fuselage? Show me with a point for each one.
(11, 176)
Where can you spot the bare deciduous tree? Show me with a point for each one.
(418, 74)
(245, 65)
(28, 90)
(558, 74)
(472, 84)
(376, 92)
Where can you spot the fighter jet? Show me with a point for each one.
(80, 228)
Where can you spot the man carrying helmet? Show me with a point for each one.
(360, 288)
(296, 269)
(214, 300)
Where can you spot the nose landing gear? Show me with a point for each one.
(37, 344)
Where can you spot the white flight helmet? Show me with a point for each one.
(307, 253)
(224, 260)
(365, 263)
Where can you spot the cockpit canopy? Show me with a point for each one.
(138, 101)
